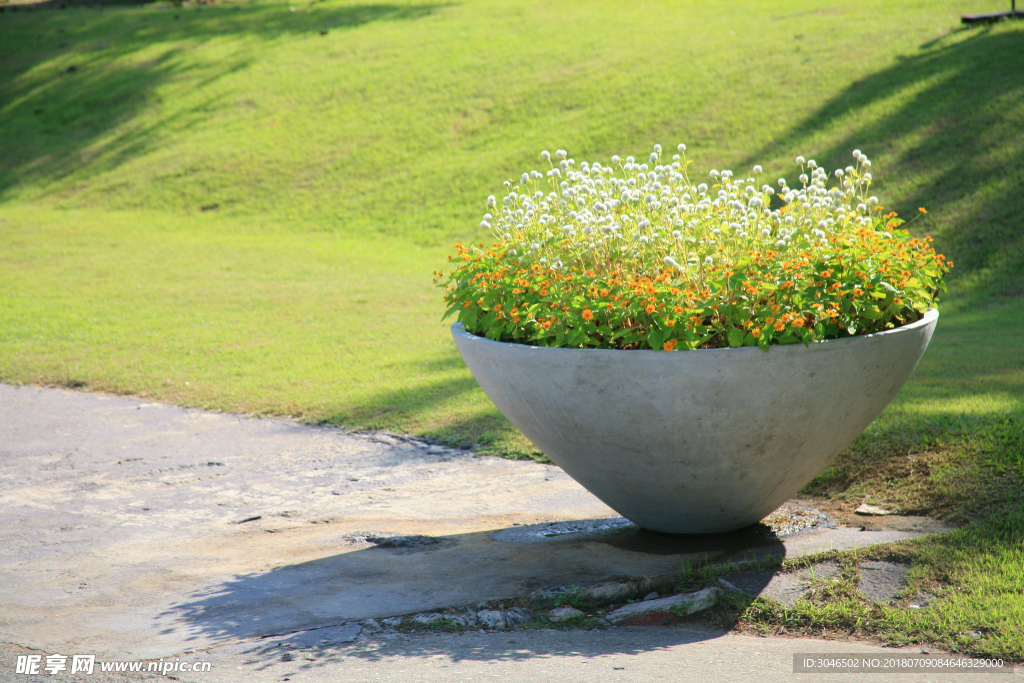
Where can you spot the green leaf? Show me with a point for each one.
(871, 313)
(735, 337)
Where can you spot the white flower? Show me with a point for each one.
(702, 188)
(561, 153)
(757, 169)
(492, 201)
(799, 160)
(485, 225)
(615, 159)
(708, 260)
(545, 155)
(681, 147)
(535, 246)
(669, 261)
(714, 173)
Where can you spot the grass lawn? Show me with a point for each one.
(239, 205)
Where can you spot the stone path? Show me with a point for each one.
(138, 530)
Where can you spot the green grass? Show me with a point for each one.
(222, 206)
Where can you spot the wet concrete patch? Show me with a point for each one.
(882, 581)
(783, 587)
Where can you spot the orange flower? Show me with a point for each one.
(756, 332)
(780, 326)
(497, 307)
(546, 324)
(650, 308)
(588, 314)
(543, 292)
(670, 345)
(670, 323)
(605, 292)
(798, 322)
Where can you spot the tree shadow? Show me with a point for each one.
(954, 437)
(71, 77)
(951, 116)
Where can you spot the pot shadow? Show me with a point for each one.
(430, 574)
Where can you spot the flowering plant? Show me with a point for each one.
(636, 256)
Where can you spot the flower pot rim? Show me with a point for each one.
(928, 318)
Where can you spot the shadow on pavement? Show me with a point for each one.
(431, 574)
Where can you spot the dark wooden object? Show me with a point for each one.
(995, 16)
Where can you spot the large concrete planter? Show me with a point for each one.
(696, 441)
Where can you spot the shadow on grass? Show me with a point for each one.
(953, 117)
(952, 444)
(70, 77)
(440, 408)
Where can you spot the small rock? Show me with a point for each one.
(517, 616)
(427, 618)
(564, 614)
(495, 619)
(492, 619)
(653, 595)
(370, 626)
(464, 620)
(921, 600)
(783, 587)
(657, 611)
(392, 622)
(435, 450)
(871, 510)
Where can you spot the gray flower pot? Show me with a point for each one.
(699, 441)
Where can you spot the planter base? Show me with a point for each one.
(696, 441)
